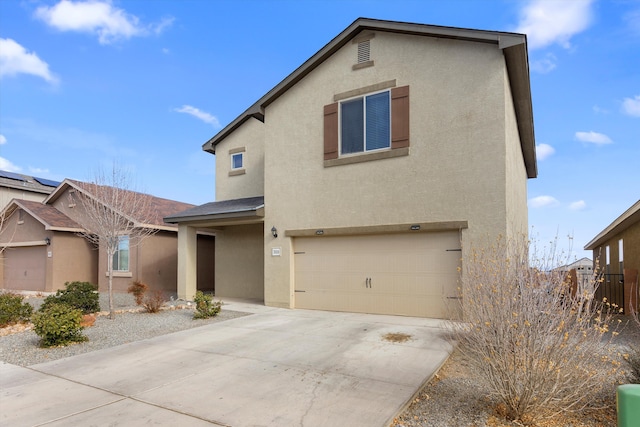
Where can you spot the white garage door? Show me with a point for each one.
(411, 274)
(24, 268)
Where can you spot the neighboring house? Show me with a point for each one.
(44, 247)
(360, 181)
(617, 252)
(18, 186)
(583, 267)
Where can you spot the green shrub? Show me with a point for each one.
(13, 310)
(80, 295)
(58, 324)
(205, 307)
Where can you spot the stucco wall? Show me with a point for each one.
(73, 258)
(515, 174)
(249, 136)
(456, 167)
(239, 262)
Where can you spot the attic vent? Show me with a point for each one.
(364, 50)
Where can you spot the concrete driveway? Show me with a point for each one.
(276, 367)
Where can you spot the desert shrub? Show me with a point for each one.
(632, 361)
(58, 324)
(154, 300)
(13, 310)
(138, 289)
(205, 306)
(538, 343)
(80, 295)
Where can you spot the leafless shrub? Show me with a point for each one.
(537, 341)
(154, 301)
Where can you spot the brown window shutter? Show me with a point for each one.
(400, 117)
(331, 131)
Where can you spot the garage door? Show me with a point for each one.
(24, 268)
(401, 274)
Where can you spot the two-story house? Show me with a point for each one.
(359, 181)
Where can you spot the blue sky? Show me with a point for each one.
(146, 83)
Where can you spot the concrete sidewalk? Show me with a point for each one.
(276, 367)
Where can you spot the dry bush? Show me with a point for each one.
(138, 289)
(154, 301)
(538, 343)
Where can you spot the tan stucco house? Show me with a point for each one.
(616, 249)
(358, 182)
(43, 247)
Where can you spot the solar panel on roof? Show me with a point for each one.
(47, 182)
(11, 175)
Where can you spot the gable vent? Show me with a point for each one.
(364, 50)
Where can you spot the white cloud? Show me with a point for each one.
(8, 166)
(36, 171)
(546, 22)
(14, 60)
(631, 106)
(97, 17)
(598, 110)
(545, 65)
(3, 140)
(578, 206)
(543, 201)
(593, 137)
(202, 115)
(543, 151)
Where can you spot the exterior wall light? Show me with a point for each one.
(415, 227)
(47, 241)
(274, 231)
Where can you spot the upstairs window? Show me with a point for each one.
(121, 256)
(366, 120)
(365, 123)
(237, 161)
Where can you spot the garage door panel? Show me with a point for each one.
(410, 274)
(24, 268)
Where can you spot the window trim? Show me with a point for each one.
(364, 122)
(235, 152)
(117, 253)
(400, 125)
(234, 156)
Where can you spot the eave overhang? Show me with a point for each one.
(630, 217)
(513, 45)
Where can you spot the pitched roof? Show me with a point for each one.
(630, 217)
(236, 208)
(513, 45)
(159, 207)
(27, 182)
(50, 217)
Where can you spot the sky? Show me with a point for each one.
(86, 83)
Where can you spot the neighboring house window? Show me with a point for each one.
(121, 256)
(370, 122)
(237, 161)
(607, 255)
(365, 123)
(621, 255)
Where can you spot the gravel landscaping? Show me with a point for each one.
(130, 324)
(454, 397)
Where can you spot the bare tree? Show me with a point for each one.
(115, 212)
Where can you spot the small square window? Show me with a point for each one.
(237, 161)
